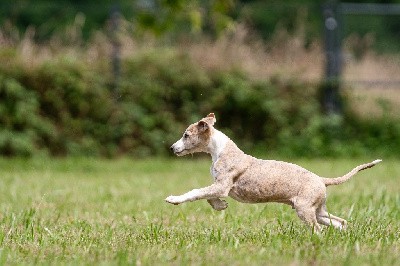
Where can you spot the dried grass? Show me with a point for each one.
(284, 57)
(373, 84)
(287, 58)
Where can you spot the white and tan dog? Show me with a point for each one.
(251, 180)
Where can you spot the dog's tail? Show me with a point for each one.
(342, 179)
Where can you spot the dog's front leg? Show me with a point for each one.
(214, 191)
(218, 204)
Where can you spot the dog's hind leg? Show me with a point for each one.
(325, 218)
(307, 214)
(218, 204)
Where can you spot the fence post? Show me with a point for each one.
(330, 90)
(116, 50)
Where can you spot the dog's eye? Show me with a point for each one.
(186, 135)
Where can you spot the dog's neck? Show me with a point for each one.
(217, 144)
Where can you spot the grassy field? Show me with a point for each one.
(84, 211)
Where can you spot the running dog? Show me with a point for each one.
(251, 180)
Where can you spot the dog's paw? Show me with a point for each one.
(173, 200)
(222, 205)
(218, 204)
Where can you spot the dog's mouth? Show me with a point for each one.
(180, 153)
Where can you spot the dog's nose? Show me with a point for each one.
(171, 148)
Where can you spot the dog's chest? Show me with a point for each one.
(218, 170)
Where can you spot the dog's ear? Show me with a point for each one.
(202, 126)
(210, 119)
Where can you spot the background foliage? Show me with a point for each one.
(66, 102)
(65, 106)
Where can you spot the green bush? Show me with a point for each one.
(23, 129)
(66, 106)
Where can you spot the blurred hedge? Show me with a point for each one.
(66, 107)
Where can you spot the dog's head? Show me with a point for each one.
(196, 137)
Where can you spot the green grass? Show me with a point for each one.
(84, 211)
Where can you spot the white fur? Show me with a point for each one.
(179, 146)
(328, 222)
(377, 161)
(217, 144)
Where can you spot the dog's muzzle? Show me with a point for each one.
(172, 148)
(177, 148)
